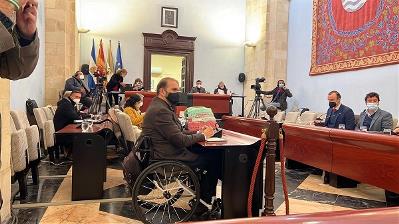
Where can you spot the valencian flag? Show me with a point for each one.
(110, 60)
(119, 63)
(101, 66)
(354, 34)
(93, 57)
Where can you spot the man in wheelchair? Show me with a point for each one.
(171, 142)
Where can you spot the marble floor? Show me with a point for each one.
(50, 201)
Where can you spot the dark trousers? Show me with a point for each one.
(113, 97)
(391, 198)
(209, 161)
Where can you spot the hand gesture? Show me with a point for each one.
(26, 18)
(208, 132)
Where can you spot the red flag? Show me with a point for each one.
(101, 65)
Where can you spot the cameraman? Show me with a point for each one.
(280, 94)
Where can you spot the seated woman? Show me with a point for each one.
(222, 89)
(132, 108)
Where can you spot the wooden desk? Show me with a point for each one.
(365, 216)
(220, 104)
(365, 157)
(309, 144)
(368, 158)
(89, 159)
(239, 156)
(248, 126)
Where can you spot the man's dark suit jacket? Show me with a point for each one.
(169, 141)
(65, 114)
(282, 98)
(344, 115)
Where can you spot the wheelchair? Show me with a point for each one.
(165, 191)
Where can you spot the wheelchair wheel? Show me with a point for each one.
(166, 192)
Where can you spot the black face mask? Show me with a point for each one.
(332, 104)
(173, 98)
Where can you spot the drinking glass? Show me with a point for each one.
(85, 126)
(79, 106)
(341, 126)
(363, 128)
(91, 122)
(98, 117)
(387, 131)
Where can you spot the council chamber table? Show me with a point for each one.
(238, 161)
(370, 158)
(89, 158)
(220, 104)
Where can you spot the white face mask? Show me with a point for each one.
(372, 107)
(81, 77)
(76, 101)
(198, 86)
(281, 85)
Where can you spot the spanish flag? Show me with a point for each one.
(101, 65)
(110, 60)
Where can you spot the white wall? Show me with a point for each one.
(312, 91)
(219, 26)
(33, 86)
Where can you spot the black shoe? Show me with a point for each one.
(216, 211)
(201, 209)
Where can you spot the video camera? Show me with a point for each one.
(100, 78)
(257, 87)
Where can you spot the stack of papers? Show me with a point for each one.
(214, 139)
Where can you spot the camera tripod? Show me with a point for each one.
(99, 94)
(257, 106)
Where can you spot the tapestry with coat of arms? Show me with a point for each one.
(354, 34)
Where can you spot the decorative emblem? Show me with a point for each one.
(353, 5)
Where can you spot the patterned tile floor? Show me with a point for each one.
(307, 194)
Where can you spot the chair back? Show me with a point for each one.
(40, 116)
(20, 119)
(129, 131)
(279, 116)
(307, 118)
(19, 146)
(48, 134)
(291, 117)
(49, 113)
(395, 123)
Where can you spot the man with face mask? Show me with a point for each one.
(339, 114)
(373, 117)
(75, 83)
(198, 87)
(67, 110)
(171, 142)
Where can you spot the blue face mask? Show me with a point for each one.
(372, 107)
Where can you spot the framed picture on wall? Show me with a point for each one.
(169, 17)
